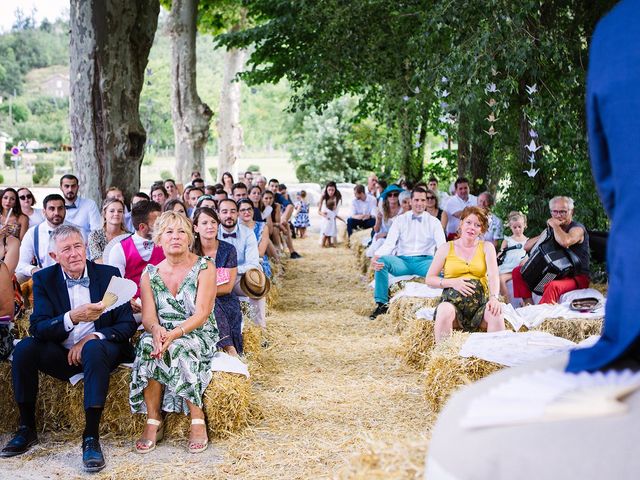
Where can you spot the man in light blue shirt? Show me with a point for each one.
(81, 212)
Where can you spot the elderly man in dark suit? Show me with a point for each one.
(70, 334)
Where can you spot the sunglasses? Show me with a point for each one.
(25, 197)
(244, 210)
(429, 197)
(393, 194)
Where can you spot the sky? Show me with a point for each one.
(50, 9)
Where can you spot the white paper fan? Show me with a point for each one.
(119, 292)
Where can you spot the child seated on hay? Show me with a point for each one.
(512, 250)
(469, 300)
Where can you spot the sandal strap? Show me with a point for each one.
(198, 421)
(153, 421)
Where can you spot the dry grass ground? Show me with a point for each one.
(336, 400)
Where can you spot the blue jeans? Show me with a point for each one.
(356, 224)
(397, 266)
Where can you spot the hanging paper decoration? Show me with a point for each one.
(532, 147)
(491, 89)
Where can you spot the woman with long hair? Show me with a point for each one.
(227, 307)
(112, 226)
(245, 215)
(27, 201)
(227, 183)
(434, 209)
(330, 192)
(384, 218)
(12, 220)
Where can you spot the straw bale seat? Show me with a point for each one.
(446, 371)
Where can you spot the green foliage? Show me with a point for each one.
(213, 171)
(43, 173)
(253, 168)
(19, 111)
(166, 175)
(1, 178)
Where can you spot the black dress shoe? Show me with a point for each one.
(295, 255)
(92, 457)
(381, 309)
(22, 441)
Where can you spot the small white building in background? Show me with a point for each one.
(4, 139)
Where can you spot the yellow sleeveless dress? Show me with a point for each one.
(469, 309)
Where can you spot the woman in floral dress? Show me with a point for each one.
(176, 351)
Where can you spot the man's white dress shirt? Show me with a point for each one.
(413, 236)
(78, 296)
(28, 249)
(368, 206)
(117, 258)
(246, 245)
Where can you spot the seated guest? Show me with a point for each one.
(81, 212)
(255, 195)
(210, 190)
(227, 308)
(27, 201)
(390, 209)
(434, 209)
(34, 249)
(244, 240)
(13, 221)
(415, 235)
(495, 232)
(138, 197)
(286, 210)
(206, 201)
(372, 185)
(194, 195)
(512, 258)
(363, 210)
(248, 179)
(405, 201)
(471, 284)
(198, 183)
(175, 206)
(245, 213)
(239, 191)
(172, 367)
(135, 252)
(227, 182)
(568, 234)
(70, 335)
(432, 184)
(456, 203)
(220, 194)
(159, 194)
(172, 189)
(113, 226)
(260, 181)
(9, 256)
(116, 193)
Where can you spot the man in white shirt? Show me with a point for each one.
(456, 203)
(372, 185)
(244, 240)
(34, 249)
(81, 212)
(415, 236)
(70, 334)
(363, 210)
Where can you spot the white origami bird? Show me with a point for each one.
(532, 89)
(492, 118)
(532, 147)
(405, 98)
(444, 79)
(532, 159)
(492, 102)
(533, 133)
(417, 145)
(445, 94)
(494, 72)
(416, 90)
(444, 105)
(491, 88)
(531, 172)
(491, 132)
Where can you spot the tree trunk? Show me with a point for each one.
(109, 49)
(191, 117)
(230, 140)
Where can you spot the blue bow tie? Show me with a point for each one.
(69, 207)
(227, 235)
(416, 217)
(83, 282)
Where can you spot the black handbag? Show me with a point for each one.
(6, 337)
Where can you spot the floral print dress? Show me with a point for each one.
(185, 368)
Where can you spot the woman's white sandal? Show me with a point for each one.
(197, 446)
(147, 446)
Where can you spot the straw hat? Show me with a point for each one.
(254, 283)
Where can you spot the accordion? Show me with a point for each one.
(547, 261)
